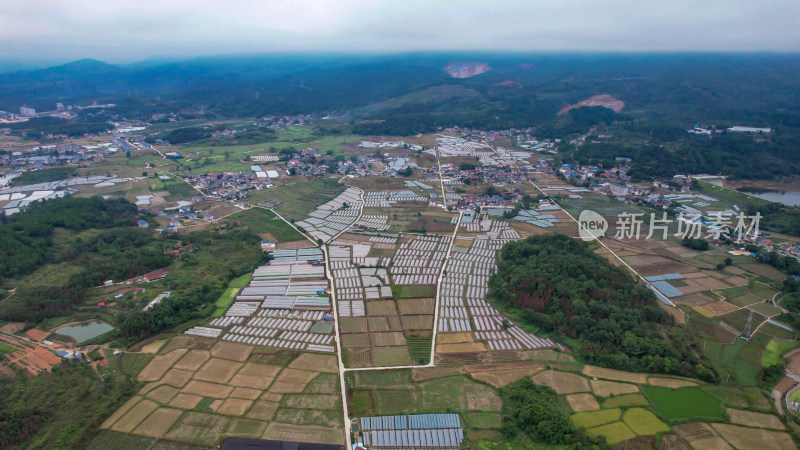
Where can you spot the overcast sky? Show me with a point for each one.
(124, 31)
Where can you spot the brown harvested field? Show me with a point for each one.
(353, 325)
(245, 393)
(712, 443)
(466, 347)
(187, 342)
(417, 322)
(716, 308)
(694, 431)
(754, 419)
(120, 412)
(743, 437)
(562, 382)
(416, 305)
(193, 360)
(316, 362)
(256, 376)
(156, 368)
(499, 375)
(395, 324)
(231, 350)
(311, 401)
(205, 389)
(197, 427)
(176, 377)
(185, 401)
(672, 383)
(548, 354)
(359, 357)
(134, 416)
(378, 324)
(158, 423)
(246, 428)
(430, 373)
(696, 299)
(262, 410)
(234, 406)
(163, 393)
(582, 402)
(612, 374)
(702, 284)
(604, 388)
(391, 356)
(381, 308)
(355, 340)
(285, 387)
(218, 370)
(766, 271)
(454, 338)
(153, 347)
(296, 376)
(304, 433)
(387, 339)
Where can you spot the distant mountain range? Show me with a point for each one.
(466, 89)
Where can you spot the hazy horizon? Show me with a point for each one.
(50, 32)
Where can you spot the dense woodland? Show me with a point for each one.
(59, 409)
(98, 238)
(532, 411)
(561, 287)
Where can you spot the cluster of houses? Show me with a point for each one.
(56, 155)
(228, 185)
(591, 172)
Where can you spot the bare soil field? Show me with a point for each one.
(381, 308)
(716, 308)
(501, 376)
(420, 322)
(234, 407)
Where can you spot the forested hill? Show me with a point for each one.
(559, 285)
(411, 93)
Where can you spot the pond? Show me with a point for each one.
(788, 198)
(83, 332)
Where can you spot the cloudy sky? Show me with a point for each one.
(124, 31)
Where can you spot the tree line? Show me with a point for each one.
(561, 287)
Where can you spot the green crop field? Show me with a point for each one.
(420, 348)
(643, 422)
(224, 300)
(414, 291)
(263, 221)
(119, 441)
(594, 418)
(685, 403)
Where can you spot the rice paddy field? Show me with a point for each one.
(198, 391)
(654, 413)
